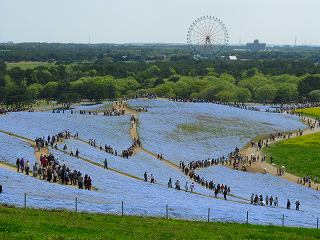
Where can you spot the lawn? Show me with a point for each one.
(300, 155)
(312, 112)
(38, 224)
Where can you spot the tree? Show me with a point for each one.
(153, 71)
(182, 89)
(308, 84)
(208, 93)
(34, 90)
(172, 71)
(228, 78)
(212, 72)
(42, 76)
(314, 96)
(250, 72)
(286, 92)
(226, 96)
(17, 74)
(16, 95)
(266, 93)
(69, 98)
(3, 93)
(243, 95)
(164, 90)
(50, 90)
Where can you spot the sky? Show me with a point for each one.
(157, 21)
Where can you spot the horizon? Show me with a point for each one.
(157, 43)
(123, 22)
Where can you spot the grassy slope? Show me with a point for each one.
(38, 224)
(312, 112)
(300, 156)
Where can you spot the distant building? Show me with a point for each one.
(256, 46)
(233, 58)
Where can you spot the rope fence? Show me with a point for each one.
(169, 212)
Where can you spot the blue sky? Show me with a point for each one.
(154, 21)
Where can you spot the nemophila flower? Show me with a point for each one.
(12, 148)
(197, 131)
(113, 131)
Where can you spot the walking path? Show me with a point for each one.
(46, 151)
(43, 151)
(247, 151)
(262, 167)
(256, 167)
(134, 124)
(134, 135)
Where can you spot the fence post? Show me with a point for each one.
(167, 211)
(208, 214)
(25, 200)
(317, 222)
(122, 208)
(282, 220)
(76, 204)
(247, 217)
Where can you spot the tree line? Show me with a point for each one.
(104, 79)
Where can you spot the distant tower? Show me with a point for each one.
(295, 41)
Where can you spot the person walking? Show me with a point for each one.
(152, 179)
(297, 205)
(35, 170)
(145, 177)
(288, 204)
(170, 183)
(18, 164)
(192, 187)
(186, 187)
(22, 164)
(105, 163)
(225, 192)
(252, 198)
(27, 167)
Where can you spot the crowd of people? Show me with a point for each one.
(126, 153)
(50, 170)
(112, 112)
(53, 140)
(307, 180)
(4, 110)
(189, 170)
(270, 201)
(141, 109)
(236, 105)
(177, 185)
(259, 200)
(297, 203)
(23, 165)
(272, 108)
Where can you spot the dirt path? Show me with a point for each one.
(256, 167)
(169, 163)
(134, 134)
(7, 166)
(43, 151)
(133, 124)
(262, 167)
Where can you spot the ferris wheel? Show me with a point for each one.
(207, 36)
